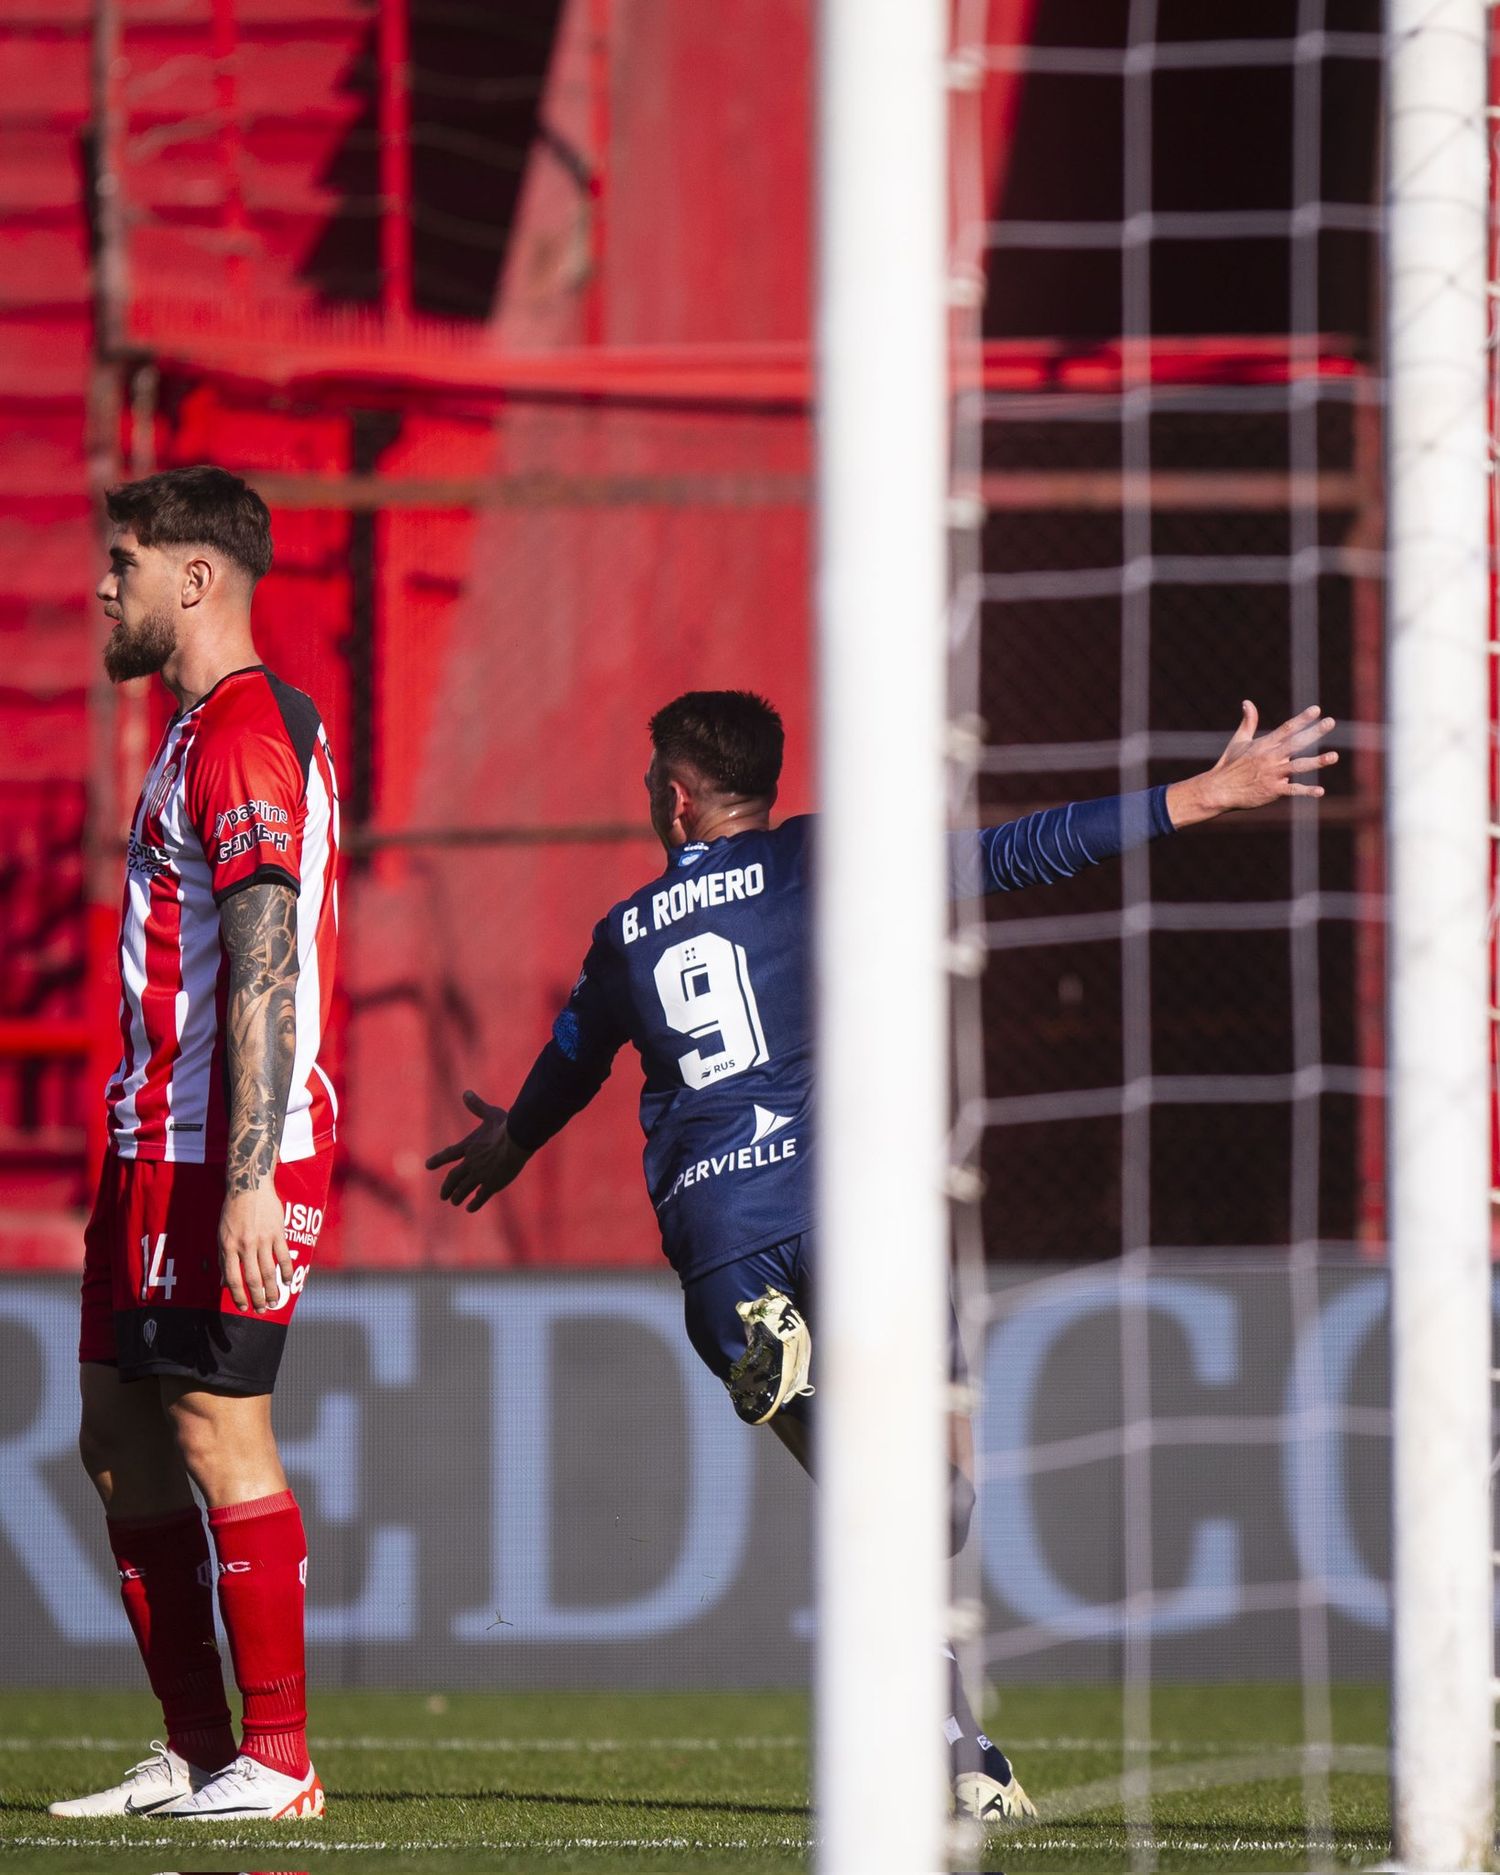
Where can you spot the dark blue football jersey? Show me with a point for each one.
(708, 972)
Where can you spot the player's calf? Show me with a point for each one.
(985, 1786)
(778, 1355)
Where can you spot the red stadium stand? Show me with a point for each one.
(532, 416)
(46, 625)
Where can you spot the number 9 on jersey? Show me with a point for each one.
(705, 991)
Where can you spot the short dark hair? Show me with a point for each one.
(732, 737)
(197, 507)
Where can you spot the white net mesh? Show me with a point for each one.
(1169, 1074)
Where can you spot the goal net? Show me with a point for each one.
(1170, 494)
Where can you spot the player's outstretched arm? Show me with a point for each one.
(1256, 770)
(1056, 843)
(564, 1078)
(258, 926)
(485, 1162)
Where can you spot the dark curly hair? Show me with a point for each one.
(197, 507)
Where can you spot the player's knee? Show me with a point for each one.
(97, 1452)
(104, 1435)
(226, 1446)
(201, 1444)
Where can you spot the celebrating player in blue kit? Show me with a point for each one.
(707, 970)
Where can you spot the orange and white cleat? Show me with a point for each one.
(248, 1788)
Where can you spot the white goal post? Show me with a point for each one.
(1437, 332)
(880, 1335)
(883, 1091)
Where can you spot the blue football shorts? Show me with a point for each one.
(717, 1333)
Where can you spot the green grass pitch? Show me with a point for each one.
(562, 1782)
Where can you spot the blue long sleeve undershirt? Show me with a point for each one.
(1047, 847)
(1039, 849)
(562, 1082)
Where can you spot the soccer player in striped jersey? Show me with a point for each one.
(707, 971)
(214, 1186)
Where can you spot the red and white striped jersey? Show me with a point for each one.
(242, 790)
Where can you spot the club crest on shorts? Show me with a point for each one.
(148, 1330)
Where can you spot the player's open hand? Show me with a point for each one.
(1256, 770)
(254, 1260)
(484, 1163)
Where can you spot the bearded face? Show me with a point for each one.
(139, 649)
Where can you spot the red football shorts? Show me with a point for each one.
(153, 1299)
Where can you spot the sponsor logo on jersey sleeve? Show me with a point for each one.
(253, 823)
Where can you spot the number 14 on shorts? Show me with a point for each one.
(159, 1271)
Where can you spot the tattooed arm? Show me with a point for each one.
(259, 930)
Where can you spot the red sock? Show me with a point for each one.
(166, 1584)
(262, 1581)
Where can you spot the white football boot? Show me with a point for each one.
(247, 1788)
(145, 1789)
(985, 1800)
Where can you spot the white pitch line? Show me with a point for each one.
(1246, 1845)
(1254, 1767)
(1198, 1748)
(1029, 1837)
(1191, 1747)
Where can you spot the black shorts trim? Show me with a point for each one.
(227, 1353)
